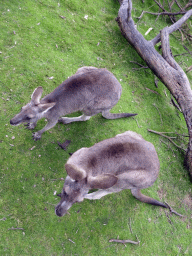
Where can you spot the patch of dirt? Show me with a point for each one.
(188, 201)
(161, 193)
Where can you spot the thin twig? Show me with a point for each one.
(124, 241)
(137, 122)
(169, 5)
(184, 135)
(168, 146)
(15, 228)
(160, 133)
(130, 226)
(139, 64)
(159, 112)
(187, 50)
(160, 6)
(185, 53)
(179, 5)
(152, 91)
(71, 241)
(168, 217)
(173, 211)
(175, 104)
(161, 13)
(189, 69)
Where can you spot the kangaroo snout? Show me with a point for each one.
(59, 212)
(15, 121)
(11, 122)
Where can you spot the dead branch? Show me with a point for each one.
(161, 13)
(173, 27)
(184, 135)
(152, 91)
(187, 5)
(164, 67)
(169, 138)
(171, 15)
(137, 122)
(173, 211)
(189, 69)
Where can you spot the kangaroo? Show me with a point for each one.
(90, 90)
(126, 161)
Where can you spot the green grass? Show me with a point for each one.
(36, 44)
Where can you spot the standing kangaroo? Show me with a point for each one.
(90, 90)
(126, 161)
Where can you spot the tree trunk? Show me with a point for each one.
(164, 67)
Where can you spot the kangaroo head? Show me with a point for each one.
(72, 192)
(34, 110)
(77, 185)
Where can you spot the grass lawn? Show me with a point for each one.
(42, 43)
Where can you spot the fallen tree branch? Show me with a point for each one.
(164, 67)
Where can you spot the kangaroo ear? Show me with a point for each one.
(75, 172)
(45, 107)
(36, 95)
(103, 181)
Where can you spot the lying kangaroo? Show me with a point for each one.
(126, 161)
(90, 90)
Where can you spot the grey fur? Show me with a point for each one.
(126, 161)
(90, 90)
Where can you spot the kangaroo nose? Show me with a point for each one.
(57, 212)
(11, 122)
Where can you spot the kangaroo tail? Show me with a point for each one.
(137, 194)
(109, 115)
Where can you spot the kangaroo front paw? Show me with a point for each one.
(60, 120)
(30, 126)
(63, 120)
(36, 136)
